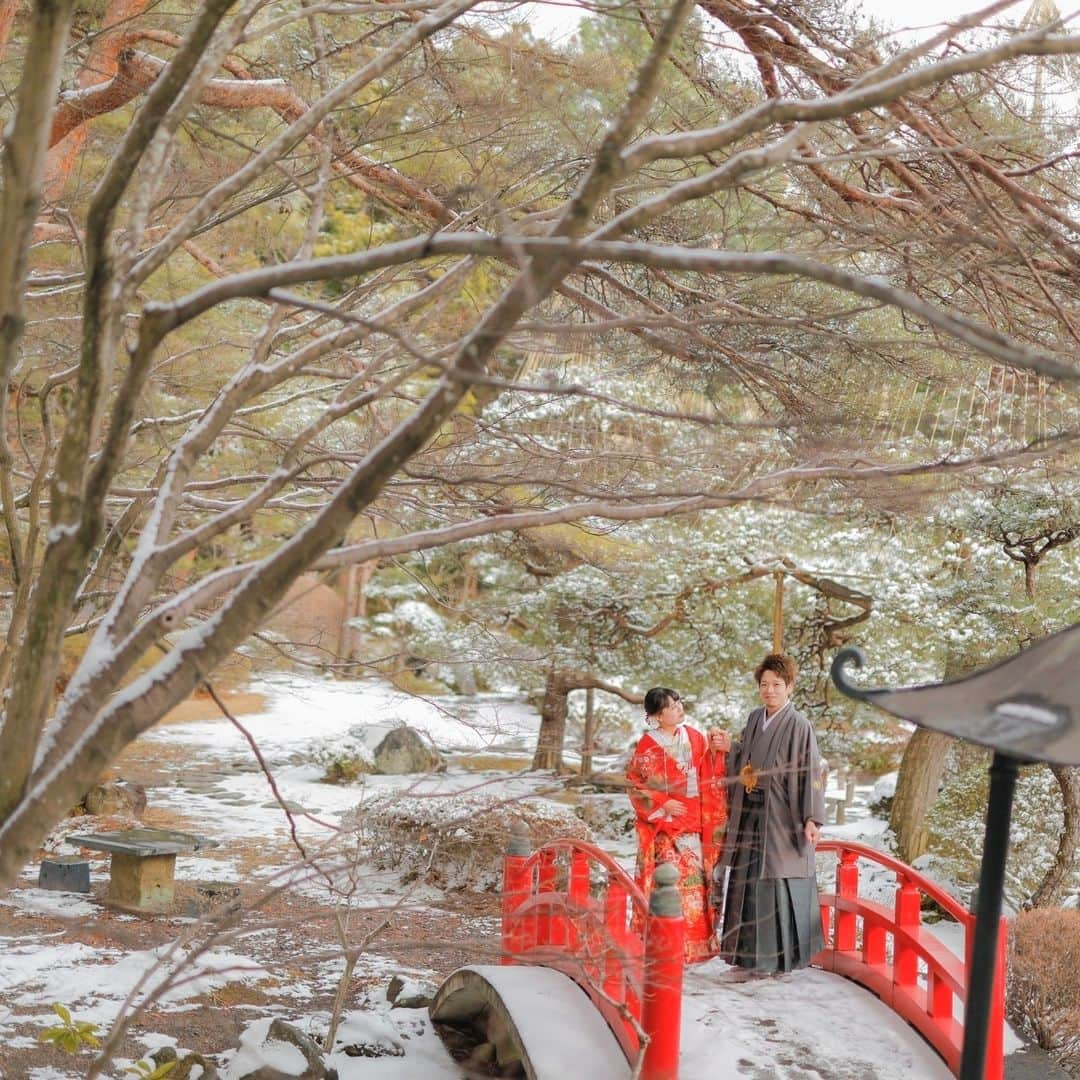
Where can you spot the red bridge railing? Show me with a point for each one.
(893, 955)
(570, 906)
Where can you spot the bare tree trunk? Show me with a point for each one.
(549, 743)
(1049, 891)
(560, 682)
(921, 771)
(345, 646)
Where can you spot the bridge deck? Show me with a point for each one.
(803, 1026)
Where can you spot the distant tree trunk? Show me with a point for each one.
(549, 743)
(1049, 891)
(590, 732)
(553, 712)
(917, 786)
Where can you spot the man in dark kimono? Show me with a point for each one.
(771, 919)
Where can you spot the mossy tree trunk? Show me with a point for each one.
(921, 770)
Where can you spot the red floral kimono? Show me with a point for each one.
(656, 775)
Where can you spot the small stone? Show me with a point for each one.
(65, 873)
(288, 804)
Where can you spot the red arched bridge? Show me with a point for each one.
(568, 907)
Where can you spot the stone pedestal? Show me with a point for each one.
(142, 882)
(65, 873)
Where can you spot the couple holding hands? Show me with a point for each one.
(739, 821)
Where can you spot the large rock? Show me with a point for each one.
(315, 1068)
(116, 797)
(403, 751)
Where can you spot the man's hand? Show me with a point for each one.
(719, 740)
(812, 832)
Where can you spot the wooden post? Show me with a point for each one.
(345, 634)
(661, 1009)
(778, 613)
(994, 1067)
(590, 733)
(908, 917)
(847, 888)
(547, 924)
(615, 921)
(517, 884)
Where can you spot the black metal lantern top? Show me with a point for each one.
(1026, 707)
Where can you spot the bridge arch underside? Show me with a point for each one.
(529, 1021)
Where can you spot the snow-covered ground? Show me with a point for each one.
(808, 1024)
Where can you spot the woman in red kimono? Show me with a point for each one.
(676, 781)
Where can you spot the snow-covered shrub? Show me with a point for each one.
(1043, 995)
(882, 796)
(454, 841)
(343, 759)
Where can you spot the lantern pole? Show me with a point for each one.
(1003, 772)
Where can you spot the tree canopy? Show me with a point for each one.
(288, 286)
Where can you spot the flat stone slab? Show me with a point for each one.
(141, 842)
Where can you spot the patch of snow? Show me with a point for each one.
(59, 905)
(884, 787)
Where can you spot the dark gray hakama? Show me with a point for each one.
(770, 924)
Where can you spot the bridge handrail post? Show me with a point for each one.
(549, 924)
(847, 888)
(661, 1010)
(615, 921)
(517, 885)
(908, 917)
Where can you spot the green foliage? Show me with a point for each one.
(70, 1035)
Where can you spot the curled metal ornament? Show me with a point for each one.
(855, 657)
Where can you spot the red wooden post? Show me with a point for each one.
(545, 883)
(939, 996)
(908, 917)
(847, 888)
(517, 884)
(873, 941)
(661, 1010)
(615, 922)
(579, 877)
(828, 927)
(578, 894)
(994, 1065)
